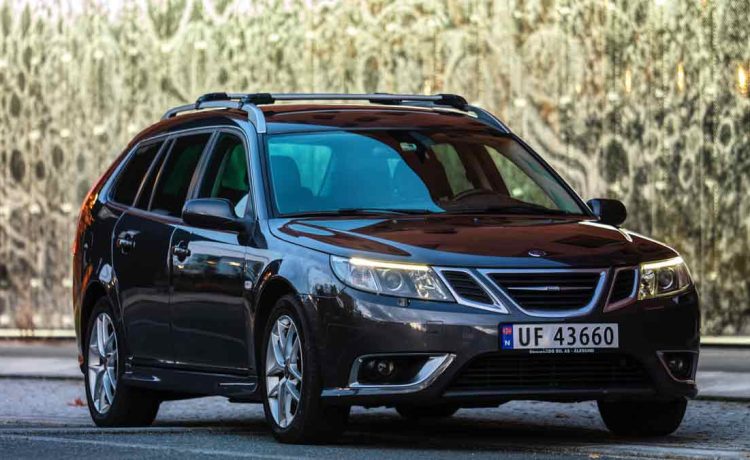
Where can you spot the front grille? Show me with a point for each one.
(499, 372)
(549, 290)
(623, 285)
(466, 287)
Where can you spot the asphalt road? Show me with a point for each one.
(47, 419)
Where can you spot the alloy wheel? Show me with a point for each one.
(284, 371)
(102, 363)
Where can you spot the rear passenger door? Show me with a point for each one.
(141, 249)
(210, 321)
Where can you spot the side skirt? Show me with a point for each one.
(237, 388)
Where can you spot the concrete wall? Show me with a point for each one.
(646, 101)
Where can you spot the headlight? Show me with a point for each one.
(662, 278)
(401, 280)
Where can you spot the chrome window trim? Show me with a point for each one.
(164, 137)
(110, 185)
(611, 306)
(586, 309)
(171, 135)
(497, 305)
(436, 364)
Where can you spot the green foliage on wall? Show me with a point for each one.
(642, 100)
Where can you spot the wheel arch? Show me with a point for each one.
(271, 291)
(93, 293)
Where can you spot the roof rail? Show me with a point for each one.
(249, 102)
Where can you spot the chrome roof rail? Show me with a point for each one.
(249, 102)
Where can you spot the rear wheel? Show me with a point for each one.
(110, 402)
(291, 381)
(643, 418)
(426, 412)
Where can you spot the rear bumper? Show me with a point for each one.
(356, 324)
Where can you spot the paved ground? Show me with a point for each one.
(47, 419)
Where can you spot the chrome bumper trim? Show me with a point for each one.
(432, 369)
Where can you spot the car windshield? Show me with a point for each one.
(410, 172)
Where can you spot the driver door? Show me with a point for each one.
(210, 320)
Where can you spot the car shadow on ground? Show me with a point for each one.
(386, 430)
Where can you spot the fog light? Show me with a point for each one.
(680, 365)
(385, 367)
(389, 370)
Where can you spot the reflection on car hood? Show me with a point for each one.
(473, 241)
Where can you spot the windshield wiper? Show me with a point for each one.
(358, 212)
(514, 209)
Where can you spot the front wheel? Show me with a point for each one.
(643, 418)
(292, 383)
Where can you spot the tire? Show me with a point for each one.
(127, 406)
(427, 412)
(311, 421)
(642, 418)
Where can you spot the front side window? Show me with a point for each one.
(419, 171)
(177, 173)
(226, 175)
(132, 174)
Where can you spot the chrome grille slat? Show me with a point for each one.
(470, 289)
(550, 292)
(623, 285)
(466, 286)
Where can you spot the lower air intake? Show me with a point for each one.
(499, 372)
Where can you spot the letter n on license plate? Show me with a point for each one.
(552, 335)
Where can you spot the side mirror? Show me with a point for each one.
(215, 213)
(610, 212)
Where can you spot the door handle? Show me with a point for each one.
(125, 243)
(181, 251)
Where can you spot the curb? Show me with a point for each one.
(69, 378)
(719, 398)
(726, 341)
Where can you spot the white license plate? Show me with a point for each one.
(550, 335)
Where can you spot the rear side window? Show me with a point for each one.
(132, 175)
(148, 185)
(226, 175)
(177, 173)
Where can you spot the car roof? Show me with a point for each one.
(310, 117)
(287, 118)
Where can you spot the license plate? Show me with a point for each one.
(550, 336)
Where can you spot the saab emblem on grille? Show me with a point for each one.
(537, 253)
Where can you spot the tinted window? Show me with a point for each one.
(421, 171)
(226, 175)
(521, 185)
(177, 173)
(132, 175)
(148, 185)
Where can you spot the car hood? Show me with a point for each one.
(474, 241)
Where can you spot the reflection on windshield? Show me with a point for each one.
(410, 172)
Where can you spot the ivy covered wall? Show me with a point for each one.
(643, 100)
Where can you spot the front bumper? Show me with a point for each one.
(355, 324)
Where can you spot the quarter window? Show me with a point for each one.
(226, 176)
(148, 184)
(132, 175)
(177, 173)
